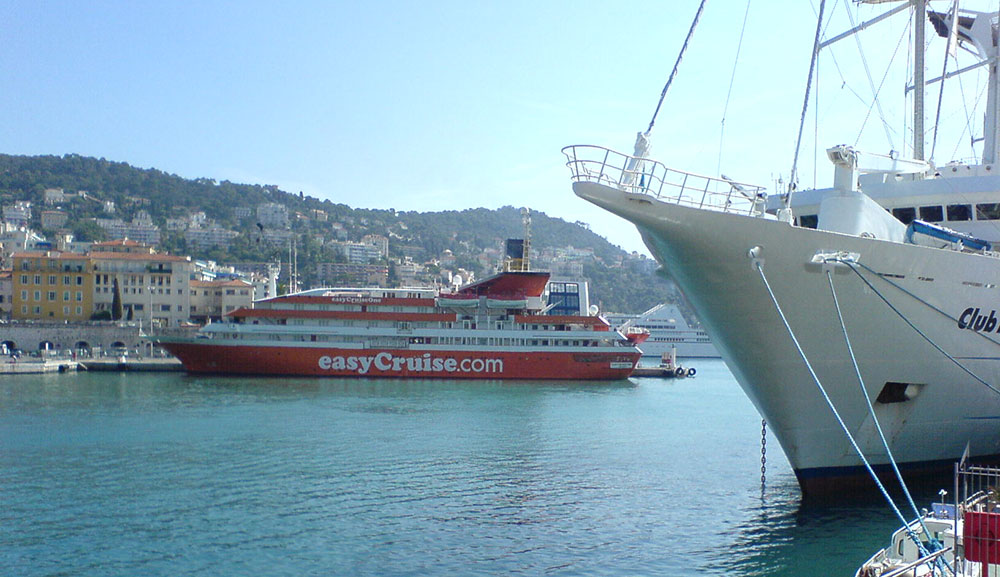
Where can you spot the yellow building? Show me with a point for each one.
(52, 286)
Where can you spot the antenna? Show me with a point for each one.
(526, 218)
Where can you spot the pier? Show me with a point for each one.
(34, 366)
(116, 364)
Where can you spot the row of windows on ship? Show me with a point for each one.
(403, 342)
(932, 213)
(677, 340)
(410, 325)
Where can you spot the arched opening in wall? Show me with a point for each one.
(82, 347)
(46, 346)
(7, 347)
(118, 345)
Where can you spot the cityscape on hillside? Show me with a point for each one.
(48, 274)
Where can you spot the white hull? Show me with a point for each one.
(706, 252)
(668, 329)
(685, 350)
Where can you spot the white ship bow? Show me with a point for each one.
(711, 235)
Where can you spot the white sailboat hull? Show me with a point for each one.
(706, 252)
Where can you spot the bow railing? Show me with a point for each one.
(635, 175)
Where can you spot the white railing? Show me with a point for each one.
(651, 178)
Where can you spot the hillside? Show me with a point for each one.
(619, 281)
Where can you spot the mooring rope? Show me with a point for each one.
(836, 414)
(930, 341)
(908, 293)
(871, 411)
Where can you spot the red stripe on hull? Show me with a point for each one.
(202, 357)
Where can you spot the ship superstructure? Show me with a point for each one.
(491, 329)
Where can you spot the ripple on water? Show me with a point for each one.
(167, 474)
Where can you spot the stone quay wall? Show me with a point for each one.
(83, 338)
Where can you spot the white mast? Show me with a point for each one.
(990, 155)
(976, 33)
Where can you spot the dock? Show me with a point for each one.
(116, 364)
(664, 372)
(36, 366)
(667, 369)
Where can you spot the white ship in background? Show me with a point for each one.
(668, 329)
(859, 333)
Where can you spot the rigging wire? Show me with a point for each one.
(843, 80)
(881, 85)
(968, 119)
(677, 64)
(871, 83)
(732, 79)
(793, 178)
(952, 37)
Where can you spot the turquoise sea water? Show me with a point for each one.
(166, 474)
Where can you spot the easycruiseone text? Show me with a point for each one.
(425, 363)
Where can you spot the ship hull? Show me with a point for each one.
(685, 350)
(706, 252)
(216, 356)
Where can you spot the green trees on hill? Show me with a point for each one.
(618, 283)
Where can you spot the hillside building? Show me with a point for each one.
(141, 228)
(199, 239)
(372, 248)
(52, 286)
(54, 196)
(6, 294)
(53, 219)
(273, 215)
(344, 273)
(277, 236)
(156, 287)
(17, 214)
(122, 245)
(18, 239)
(211, 300)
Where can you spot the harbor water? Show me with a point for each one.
(165, 474)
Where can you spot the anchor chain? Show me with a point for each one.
(763, 456)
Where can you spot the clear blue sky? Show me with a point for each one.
(422, 105)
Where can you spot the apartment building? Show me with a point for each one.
(6, 294)
(52, 286)
(53, 219)
(272, 215)
(202, 238)
(155, 287)
(17, 214)
(211, 300)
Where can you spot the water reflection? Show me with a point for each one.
(784, 535)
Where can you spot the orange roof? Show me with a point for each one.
(136, 256)
(54, 254)
(219, 283)
(119, 242)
